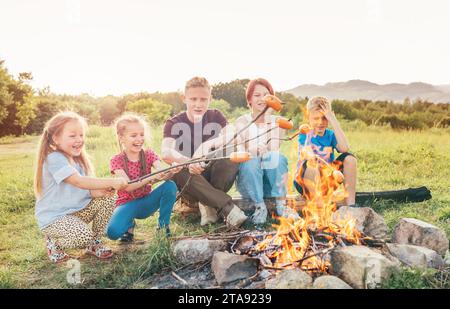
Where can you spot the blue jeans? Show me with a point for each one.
(162, 198)
(263, 177)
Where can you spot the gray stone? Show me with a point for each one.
(416, 256)
(415, 232)
(290, 279)
(265, 274)
(360, 266)
(330, 282)
(367, 220)
(195, 250)
(258, 285)
(228, 267)
(447, 258)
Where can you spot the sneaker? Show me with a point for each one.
(260, 214)
(99, 250)
(166, 230)
(236, 217)
(55, 254)
(208, 214)
(127, 236)
(285, 211)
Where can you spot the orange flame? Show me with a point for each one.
(293, 244)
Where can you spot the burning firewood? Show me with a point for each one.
(307, 241)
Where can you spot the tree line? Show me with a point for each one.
(24, 110)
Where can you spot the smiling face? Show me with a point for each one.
(132, 139)
(256, 101)
(71, 139)
(197, 101)
(318, 121)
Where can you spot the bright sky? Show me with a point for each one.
(118, 47)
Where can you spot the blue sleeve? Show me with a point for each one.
(301, 139)
(59, 166)
(333, 140)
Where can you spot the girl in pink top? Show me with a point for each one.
(138, 200)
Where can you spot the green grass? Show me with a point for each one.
(386, 160)
(418, 278)
(11, 139)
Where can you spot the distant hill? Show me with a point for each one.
(361, 89)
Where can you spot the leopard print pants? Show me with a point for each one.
(73, 231)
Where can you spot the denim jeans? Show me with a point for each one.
(263, 177)
(162, 198)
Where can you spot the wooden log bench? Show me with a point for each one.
(297, 202)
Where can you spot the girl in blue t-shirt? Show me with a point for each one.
(68, 198)
(323, 142)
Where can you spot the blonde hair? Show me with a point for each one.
(197, 82)
(314, 102)
(46, 146)
(121, 123)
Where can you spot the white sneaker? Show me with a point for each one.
(208, 214)
(286, 212)
(236, 217)
(260, 214)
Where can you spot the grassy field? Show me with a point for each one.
(387, 160)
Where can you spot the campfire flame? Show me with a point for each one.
(305, 242)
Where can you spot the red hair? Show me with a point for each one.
(252, 84)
